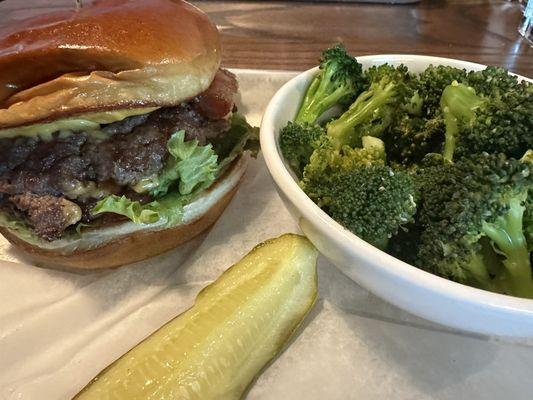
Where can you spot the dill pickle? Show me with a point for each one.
(236, 326)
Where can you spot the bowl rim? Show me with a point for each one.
(392, 266)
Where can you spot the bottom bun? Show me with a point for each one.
(126, 242)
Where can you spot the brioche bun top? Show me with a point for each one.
(111, 54)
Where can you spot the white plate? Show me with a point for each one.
(401, 284)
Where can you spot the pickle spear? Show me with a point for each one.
(236, 326)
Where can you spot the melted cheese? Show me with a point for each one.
(89, 123)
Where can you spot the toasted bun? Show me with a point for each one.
(108, 55)
(127, 242)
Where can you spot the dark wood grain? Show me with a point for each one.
(291, 35)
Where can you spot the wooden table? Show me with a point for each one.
(291, 35)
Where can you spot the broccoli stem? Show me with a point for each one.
(508, 236)
(316, 102)
(450, 137)
(458, 102)
(310, 96)
(381, 243)
(479, 276)
(342, 130)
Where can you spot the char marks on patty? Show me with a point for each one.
(48, 215)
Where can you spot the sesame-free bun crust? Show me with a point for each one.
(108, 55)
(126, 243)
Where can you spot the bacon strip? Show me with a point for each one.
(218, 100)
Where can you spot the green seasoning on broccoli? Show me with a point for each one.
(338, 81)
(472, 216)
(374, 109)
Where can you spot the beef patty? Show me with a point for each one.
(47, 180)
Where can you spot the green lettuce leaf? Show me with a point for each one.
(195, 166)
(190, 166)
(240, 137)
(14, 223)
(168, 210)
(190, 169)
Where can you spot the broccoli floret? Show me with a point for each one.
(431, 83)
(463, 262)
(298, 141)
(374, 110)
(492, 81)
(462, 114)
(458, 103)
(357, 189)
(378, 72)
(410, 138)
(414, 134)
(339, 81)
(493, 117)
(503, 124)
(372, 201)
(327, 160)
(472, 217)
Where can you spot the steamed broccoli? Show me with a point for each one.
(472, 218)
(432, 168)
(339, 81)
(327, 160)
(298, 141)
(493, 81)
(430, 84)
(504, 122)
(458, 103)
(374, 109)
(413, 135)
(410, 138)
(493, 115)
(462, 114)
(358, 190)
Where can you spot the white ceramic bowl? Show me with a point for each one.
(401, 284)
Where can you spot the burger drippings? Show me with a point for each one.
(55, 183)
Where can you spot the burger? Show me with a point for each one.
(119, 134)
